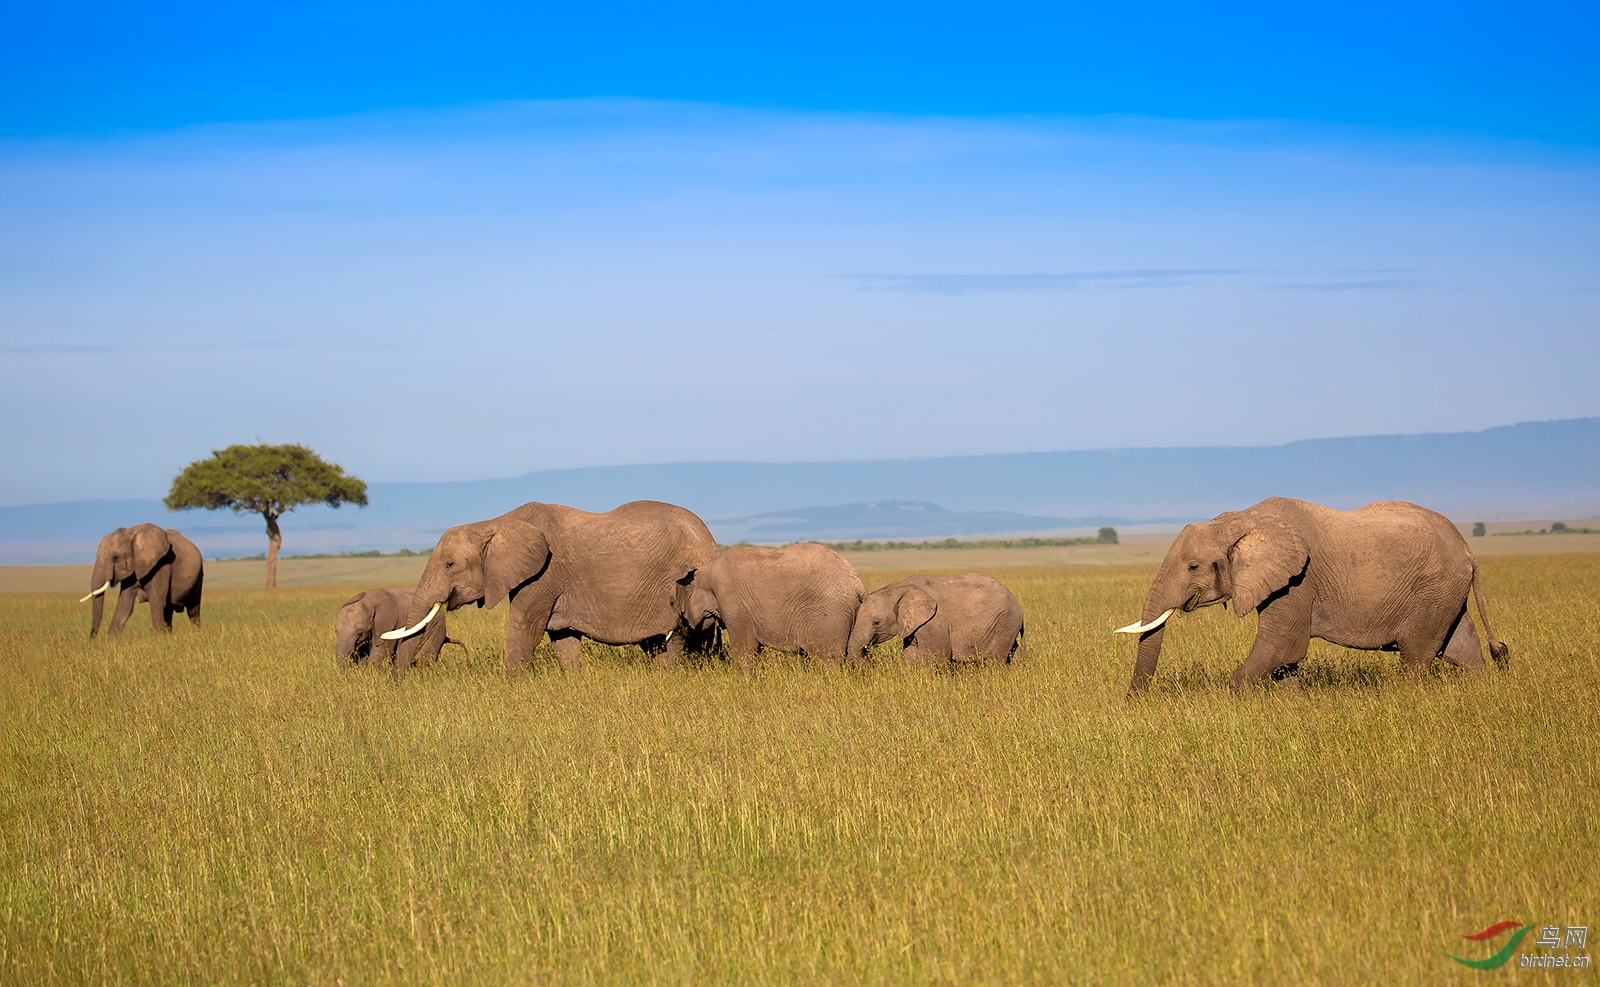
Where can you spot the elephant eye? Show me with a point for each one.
(448, 564)
(1193, 566)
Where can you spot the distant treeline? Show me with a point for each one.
(1107, 536)
(404, 553)
(1559, 528)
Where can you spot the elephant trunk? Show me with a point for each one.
(431, 596)
(860, 639)
(1159, 606)
(102, 582)
(1144, 666)
(347, 640)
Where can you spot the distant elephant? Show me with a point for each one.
(939, 618)
(1390, 576)
(366, 616)
(611, 577)
(801, 597)
(146, 562)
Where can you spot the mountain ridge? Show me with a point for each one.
(1530, 463)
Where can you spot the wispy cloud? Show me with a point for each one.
(1381, 284)
(36, 348)
(961, 284)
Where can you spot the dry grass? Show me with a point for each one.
(225, 807)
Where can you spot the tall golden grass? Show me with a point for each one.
(225, 807)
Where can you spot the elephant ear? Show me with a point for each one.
(916, 608)
(514, 553)
(354, 599)
(150, 546)
(1265, 558)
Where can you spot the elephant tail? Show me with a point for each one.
(1020, 652)
(1497, 648)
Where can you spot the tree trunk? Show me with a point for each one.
(274, 542)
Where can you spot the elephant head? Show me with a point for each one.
(1243, 556)
(894, 611)
(353, 627)
(478, 563)
(697, 603)
(125, 556)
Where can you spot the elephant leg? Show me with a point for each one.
(432, 643)
(525, 625)
(381, 652)
(915, 654)
(126, 598)
(1283, 633)
(671, 653)
(742, 644)
(1288, 676)
(569, 650)
(194, 613)
(833, 655)
(159, 590)
(1462, 646)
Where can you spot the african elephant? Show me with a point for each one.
(798, 598)
(611, 577)
(366, 616)
(146, 562)
(966, 618)
(1390, 576)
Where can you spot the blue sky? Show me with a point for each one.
(467, 242)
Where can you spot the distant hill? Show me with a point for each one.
(1506, 469)
(892, 519)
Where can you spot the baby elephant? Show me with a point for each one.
(965, 618)
(368, 615)
(796, 598)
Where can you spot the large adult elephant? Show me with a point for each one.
(1390, 576)
(611, 577)
(146, 562)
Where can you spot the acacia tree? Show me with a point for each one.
(265, 480)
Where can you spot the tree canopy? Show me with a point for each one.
(267, 480)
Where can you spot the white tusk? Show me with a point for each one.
(669, 638)
(405, 632)
(96, 592)
(1138, 628)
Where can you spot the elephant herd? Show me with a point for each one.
(650, 574)
(1390, 576)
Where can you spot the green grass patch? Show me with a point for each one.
(224, 806)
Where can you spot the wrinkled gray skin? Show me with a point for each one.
(366, 616)
(797, 598)
(147, 562)
(1390, 576)
(610, 577)
(943, 618)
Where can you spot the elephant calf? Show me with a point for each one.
(364, 619)
(797, 598)
(939, 618)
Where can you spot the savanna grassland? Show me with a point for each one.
(226, 807)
